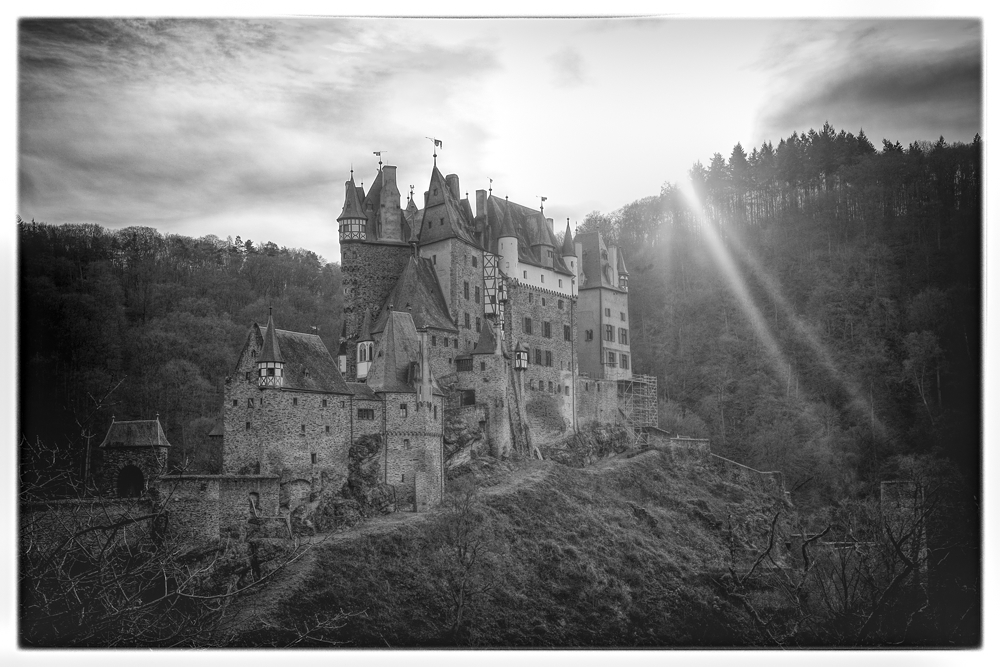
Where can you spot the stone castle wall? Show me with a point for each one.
(596, 402)
(414, 444)
(48, 525)
(152, 461)
(368, 273)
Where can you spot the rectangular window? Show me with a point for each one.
(607, 312)
(313, 457)
(406, 443)
(541, 277)
(468, 325)
(611, 358)
(547, 329)
(527, 325)
(403, 409)
(589, 334)
(567, 332)
(531, 385)
(465, 290)
(566, 389)
(609, 332)
(482, 365)
(455, 341)
(327, 429)
(248, 426)
(550, 386)
(531, 297)
(479, 325)
(559, 303)
(248, 376)
(560, 285)
(366, 414)
(434, 259)
(475, 261)
(303, 431)
(538, 356)
(249, 402)
(622, 316)
(525, 275)
(446, 342)
(623, 335)
(434, 341)
(324, 402)
(548, 358)
(463, 365)
(435, 413)
(477, 288)
(625, 361)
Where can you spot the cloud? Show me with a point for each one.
(567, 65)
(150, 122)
(919, 79)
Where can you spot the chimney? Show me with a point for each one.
(388, 176)
(452, 182)
(481, 203)
(551, 230)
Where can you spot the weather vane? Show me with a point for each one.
(541, 207)
(379, 154)
(437, 144)
(491, 187)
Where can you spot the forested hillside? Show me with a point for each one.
(812, 308)
(815, 307)
(133, 323)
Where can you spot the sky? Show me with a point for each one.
(250, 127)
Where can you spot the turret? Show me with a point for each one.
(270, 364)
(389, 212)
(352, 219)
(542, 241)
(342, 350)
(507, 246)
(569, 256)
(366, 347)
(622, 271)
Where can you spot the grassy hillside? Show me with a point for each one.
(625, 553)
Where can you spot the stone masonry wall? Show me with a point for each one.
(369, 272)
(192, 505)
(47, 525)
(596, 402)
(152, 461)
(414, 444)
(543, 306)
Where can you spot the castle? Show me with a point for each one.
(451, 317)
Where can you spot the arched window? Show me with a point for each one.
(131, 482)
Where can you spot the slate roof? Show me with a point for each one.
(371, 206)
(142, 433)
(366, 327)
(621, 263)
(530, 228)
(596, 269)
(271, 351)
(444, 215)
(309, 366)
(219, 429)
(395, 368)
(568, 247)
(362, 391)
(352, 202)
(417, 292)
(487, 341)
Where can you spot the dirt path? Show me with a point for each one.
(254, 608)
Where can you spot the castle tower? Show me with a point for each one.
(366, 347)
(374, 249)
(507, 246)
(568, 253)
(603, 321)
(270, 364)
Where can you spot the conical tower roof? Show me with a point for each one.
(352, 203)
(271, 352)
(506, 224)
(366, 327)
(621, 263)
(487, 342)
(568, 248)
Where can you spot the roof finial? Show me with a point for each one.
(491, 187)
(541, 206)
(379, 153)
(411, 193)
(437, 144)
(352, 171)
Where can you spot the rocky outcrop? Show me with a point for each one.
(364, 484)
(588, 446)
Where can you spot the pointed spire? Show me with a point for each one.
(366, 327)
(487, 342)
(621, 263)
(568, 248)
(270, 352)
(352, 204)
(506, 225)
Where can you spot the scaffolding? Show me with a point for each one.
(637, 402)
